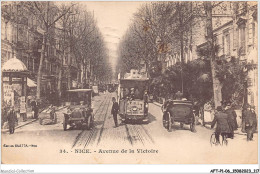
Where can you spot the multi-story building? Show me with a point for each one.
(21, 37)
(195, 31)
(235, 31)
(245, 43)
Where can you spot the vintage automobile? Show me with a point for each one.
(79, 112)
(133, 104)
(178, 111)
(111, 87)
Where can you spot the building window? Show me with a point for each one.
(242, 39)
(235, 38)
(226, 43)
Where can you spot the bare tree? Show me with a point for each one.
(47, 14)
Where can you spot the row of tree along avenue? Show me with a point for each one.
(58, 42)
(203, 49)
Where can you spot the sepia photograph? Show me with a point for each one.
(121, 82)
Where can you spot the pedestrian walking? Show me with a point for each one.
(114, 110)
(250, 122)
(222, 121)
(232, 116)
(12, 118)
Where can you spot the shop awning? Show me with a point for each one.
(31, 83)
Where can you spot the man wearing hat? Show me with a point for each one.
(222, 121)
(232, 116)
(250, 122)
(114, 110)
(12, 118)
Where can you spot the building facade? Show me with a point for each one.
(235, 32)
(21, 37)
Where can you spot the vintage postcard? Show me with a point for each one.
(172, 82)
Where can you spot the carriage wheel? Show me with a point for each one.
(169, 122)
(164, 121)
(192, 124)
(192, 127)
(65, 124)
(89, 122)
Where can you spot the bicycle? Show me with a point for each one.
(213, 140)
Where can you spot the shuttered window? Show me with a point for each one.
(253, 34)
(242, 43)
(235, 38)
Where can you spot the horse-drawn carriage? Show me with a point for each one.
(178, 111)
(79, 111)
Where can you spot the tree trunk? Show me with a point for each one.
(69, 78)
(216, 84)
(84, 76)
(59, 82)
(179, 6)
(39, 75)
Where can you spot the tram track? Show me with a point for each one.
(94, 131)
(102, 128)
(89, 133)
(137, 133)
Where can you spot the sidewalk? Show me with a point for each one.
(29, 120)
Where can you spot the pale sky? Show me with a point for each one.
(113, 19)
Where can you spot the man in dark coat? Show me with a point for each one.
(114, 110)
(250, 122)
(222, 121)
(232, 117)
(11, 118)
(36, 109)
(146, 97)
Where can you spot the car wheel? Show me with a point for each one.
(89, 122)
(168, 122)
(65, 124)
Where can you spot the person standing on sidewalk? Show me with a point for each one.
(36, 110)
(250, 123)
(12, 118)
(114, 110)
(232, 116)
